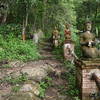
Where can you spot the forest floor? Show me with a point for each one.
(14, 85)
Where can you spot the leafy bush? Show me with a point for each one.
(14, 80)
(10, 29)
(44, 85)
(71, 79)
(13, 48)
(76, 39)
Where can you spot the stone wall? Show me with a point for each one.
(84, 72)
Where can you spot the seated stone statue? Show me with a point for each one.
(87, 41)
(56, 37)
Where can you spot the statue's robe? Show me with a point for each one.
(87, 41)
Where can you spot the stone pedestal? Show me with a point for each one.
(84, 71)
(68, 49)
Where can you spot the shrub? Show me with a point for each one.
(10, 29)
(13, 48)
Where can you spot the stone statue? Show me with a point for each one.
(69, 45)
(56, 37)
(67, 32)
(38, 34)
(87, 41)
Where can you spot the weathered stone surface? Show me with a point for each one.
(35, 73)
(16, 64)
(1, 97)
(85, 83)
(31, 88)
(26, 88)
(23, 96)
(35, 89)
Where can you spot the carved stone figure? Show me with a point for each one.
(69, 51)
(36, 38)
(69, 45)
(67, 32)
(56, 37)
(38, 34)
(87, 41)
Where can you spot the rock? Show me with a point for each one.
(15, 74)
(16, 64)
(35, 89)
(31, 88)
(1, 97)
(23, 96)
(26, 88)
(35, 73)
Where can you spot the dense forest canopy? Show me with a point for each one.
(45, 14)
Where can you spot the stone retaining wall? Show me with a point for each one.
(84, 72)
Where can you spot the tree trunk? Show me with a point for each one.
(25, 23)
(44, 15)
(5, 15)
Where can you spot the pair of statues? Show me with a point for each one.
(87, 41)
(68, 45)
(56, 36)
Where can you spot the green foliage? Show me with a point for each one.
(42, 12)
(10, 30)
(16, 88)
(44, 85)
(70, 76)
(58, 53)
(89, 11)
(14, 80)
(13, 48)
(76, 98)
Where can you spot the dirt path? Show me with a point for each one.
(54, 92)
(37, 70)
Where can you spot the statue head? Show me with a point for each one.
(67, 26)
(88, 26)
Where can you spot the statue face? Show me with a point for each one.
(88, 26)
(67, 26)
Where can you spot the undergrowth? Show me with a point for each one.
(70, 76)
(58, 53)
(44, 84)
(13, 48)
(14, 80)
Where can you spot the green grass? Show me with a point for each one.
(16, 88)
(15, 49)
(14, 80)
